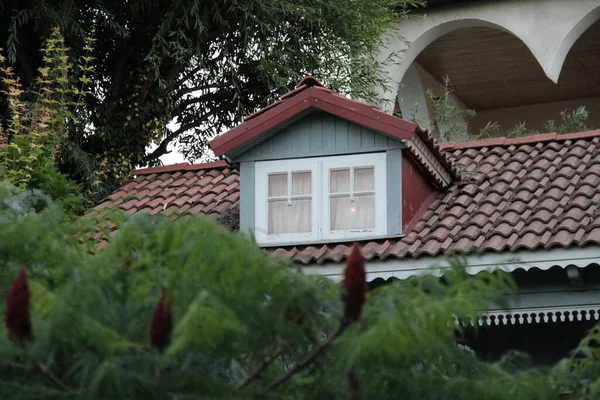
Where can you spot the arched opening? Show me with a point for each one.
(494, 73)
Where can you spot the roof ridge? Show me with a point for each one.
(504, 141)
(305, 83)
(181, 167)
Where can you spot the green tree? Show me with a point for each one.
(202, 65)
(84, 320)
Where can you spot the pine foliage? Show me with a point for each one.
(244, 324)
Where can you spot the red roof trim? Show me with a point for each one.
(503, 141)
(309, 81)
(207, 165)
(180, 167)
(252, 128)
(318, 97)
(364, 114)
(420, 212)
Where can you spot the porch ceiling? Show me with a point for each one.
(490, 69)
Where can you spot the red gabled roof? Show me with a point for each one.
(310, 93)
(536, 192)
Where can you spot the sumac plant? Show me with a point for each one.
(188, 310)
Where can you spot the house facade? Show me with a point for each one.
(315, 172)
(510, 60)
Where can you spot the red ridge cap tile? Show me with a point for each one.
(180, 167)
(503, 141)
(481, 143)
(309, 80)
(448, 145)
(158, 170)
(579, 135)
(207, 165)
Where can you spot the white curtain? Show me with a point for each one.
(293, 213)
(344, 213)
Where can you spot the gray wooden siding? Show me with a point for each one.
(247, 188)
(319, 134)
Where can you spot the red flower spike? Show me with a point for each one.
(17, 317)
(355, 285)
(354, 383)
(162, 323)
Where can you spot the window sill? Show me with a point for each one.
(327, 241)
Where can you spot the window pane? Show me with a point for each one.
(290, 219)
(277, 185)
(339, 181)
(357, 214)
(364, 179)
(300, 183)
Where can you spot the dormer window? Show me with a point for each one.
(317, 167)
(320, 199)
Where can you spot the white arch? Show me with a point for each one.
(421, 42)
(548, 28)
(556, 64)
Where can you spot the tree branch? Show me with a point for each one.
(172, 73)
(50, 377)
(186, 103)
(260, 368)
(67, 7)
(197, 88)
(312, 356)
(187, 76)
(162, 147)
(119, 71)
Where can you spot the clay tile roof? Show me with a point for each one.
(208, 189)
(506, 194)
(528, 193)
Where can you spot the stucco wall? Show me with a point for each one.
(548, 28)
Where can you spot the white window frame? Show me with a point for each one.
(378, 162)
(262, 171)
(319, 168)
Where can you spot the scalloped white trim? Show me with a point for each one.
(522, 259)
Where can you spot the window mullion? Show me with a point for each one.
(320, 200)
(289, 189)
(352, 184)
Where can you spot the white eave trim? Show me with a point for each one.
(522, 259)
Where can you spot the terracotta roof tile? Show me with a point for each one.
(554, 204)
(526, 193)
(176, 189)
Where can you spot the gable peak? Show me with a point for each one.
(309, 81)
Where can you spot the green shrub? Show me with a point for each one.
(241, 319)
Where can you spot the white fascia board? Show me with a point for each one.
(522, 259)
